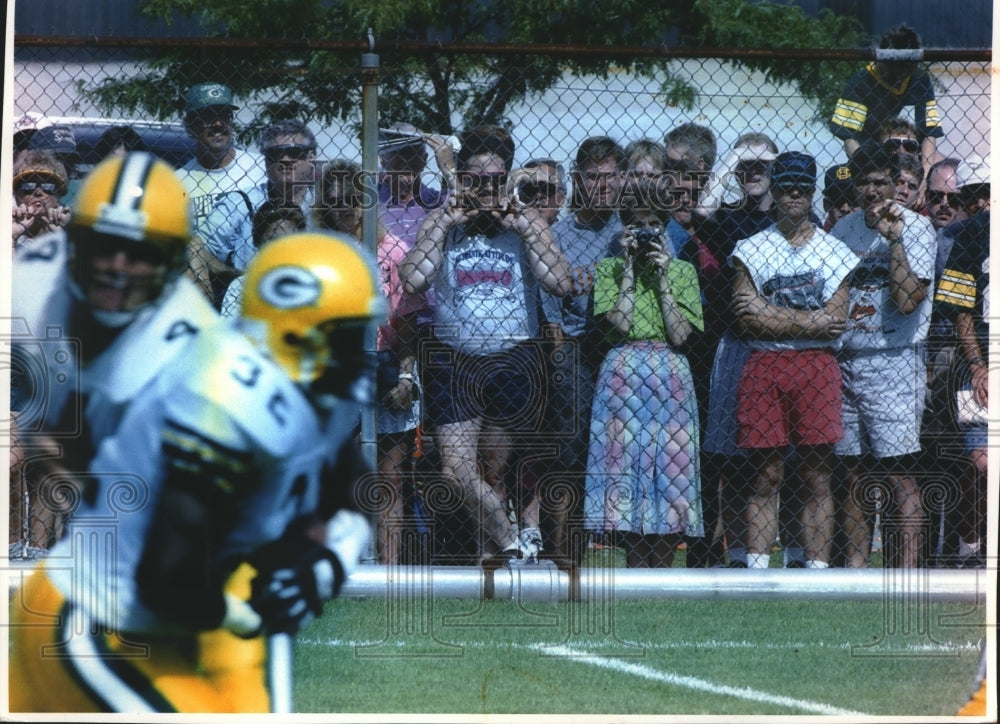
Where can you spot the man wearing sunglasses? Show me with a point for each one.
(219, 166)
(882, 358)
(289, 150)
(40, 182)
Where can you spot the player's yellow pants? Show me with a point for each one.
(60, 662)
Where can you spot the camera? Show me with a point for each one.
(645, 237)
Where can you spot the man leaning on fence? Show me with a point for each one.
(790, 301)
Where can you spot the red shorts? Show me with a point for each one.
(789, 396)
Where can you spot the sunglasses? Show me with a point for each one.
(211, 115)
(936, 198)
(751, 168)
(785, 189)
(292, 151)
(30, 187)
(907, 144)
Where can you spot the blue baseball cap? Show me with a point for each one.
(792, 167)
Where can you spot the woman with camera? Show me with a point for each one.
(643, 481)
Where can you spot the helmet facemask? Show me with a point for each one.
(340, 366)
(117, 277)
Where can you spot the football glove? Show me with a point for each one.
(290, 589)
(349, 535)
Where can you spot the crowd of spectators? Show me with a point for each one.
(648, 350)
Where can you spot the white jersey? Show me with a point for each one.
(222, 418)
(61, 395)
(802, 278)
(874, 321)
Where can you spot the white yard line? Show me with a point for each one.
(690, 682)
(621, 666)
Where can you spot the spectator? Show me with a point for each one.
(963, 295)
(972, 179)
(646, 160)
(643, 479)
(270, 221)
(908, 175)
(40, 183)
(723, 225)
(879, 92)
(487, 262)
(943, 206)
(900, 136)
(218, 167)
(404, 197)
(790, 301)
(289, 151)
(588, 233)
(839, 195)
(541, 183)
(118, 140)
(60, 141)
(230, 482)
(341, 206)
(881, 359)
(692, 145)
(945, 211)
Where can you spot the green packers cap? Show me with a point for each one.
(206, 95)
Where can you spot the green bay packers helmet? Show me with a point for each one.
(311, 302)
(134, 203)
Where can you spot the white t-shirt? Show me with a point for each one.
(487, 300)
(244, 173)
(874, 321)
(803, 277)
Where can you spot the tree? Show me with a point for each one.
(438, 88)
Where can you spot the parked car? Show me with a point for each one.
(168, 140)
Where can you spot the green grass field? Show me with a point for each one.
(639, 658)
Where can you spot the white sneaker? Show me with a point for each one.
(531, 542)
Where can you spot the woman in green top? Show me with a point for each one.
(642, 467)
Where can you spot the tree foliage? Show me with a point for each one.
(441, 90)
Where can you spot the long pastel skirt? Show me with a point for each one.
(642, 461)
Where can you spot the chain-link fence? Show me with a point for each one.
(574, 377)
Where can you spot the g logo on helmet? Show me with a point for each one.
(290, 287)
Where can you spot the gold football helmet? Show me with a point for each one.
(134, 205)
(309, 300)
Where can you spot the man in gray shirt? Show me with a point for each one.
(589, 233)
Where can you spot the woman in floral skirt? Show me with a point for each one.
(643, 479)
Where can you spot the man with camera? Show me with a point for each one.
(487, 262)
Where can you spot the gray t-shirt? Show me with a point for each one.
(583, 247)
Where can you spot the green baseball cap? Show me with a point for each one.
(206, 95)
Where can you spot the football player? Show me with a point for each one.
(99, 309)
(228, 518)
